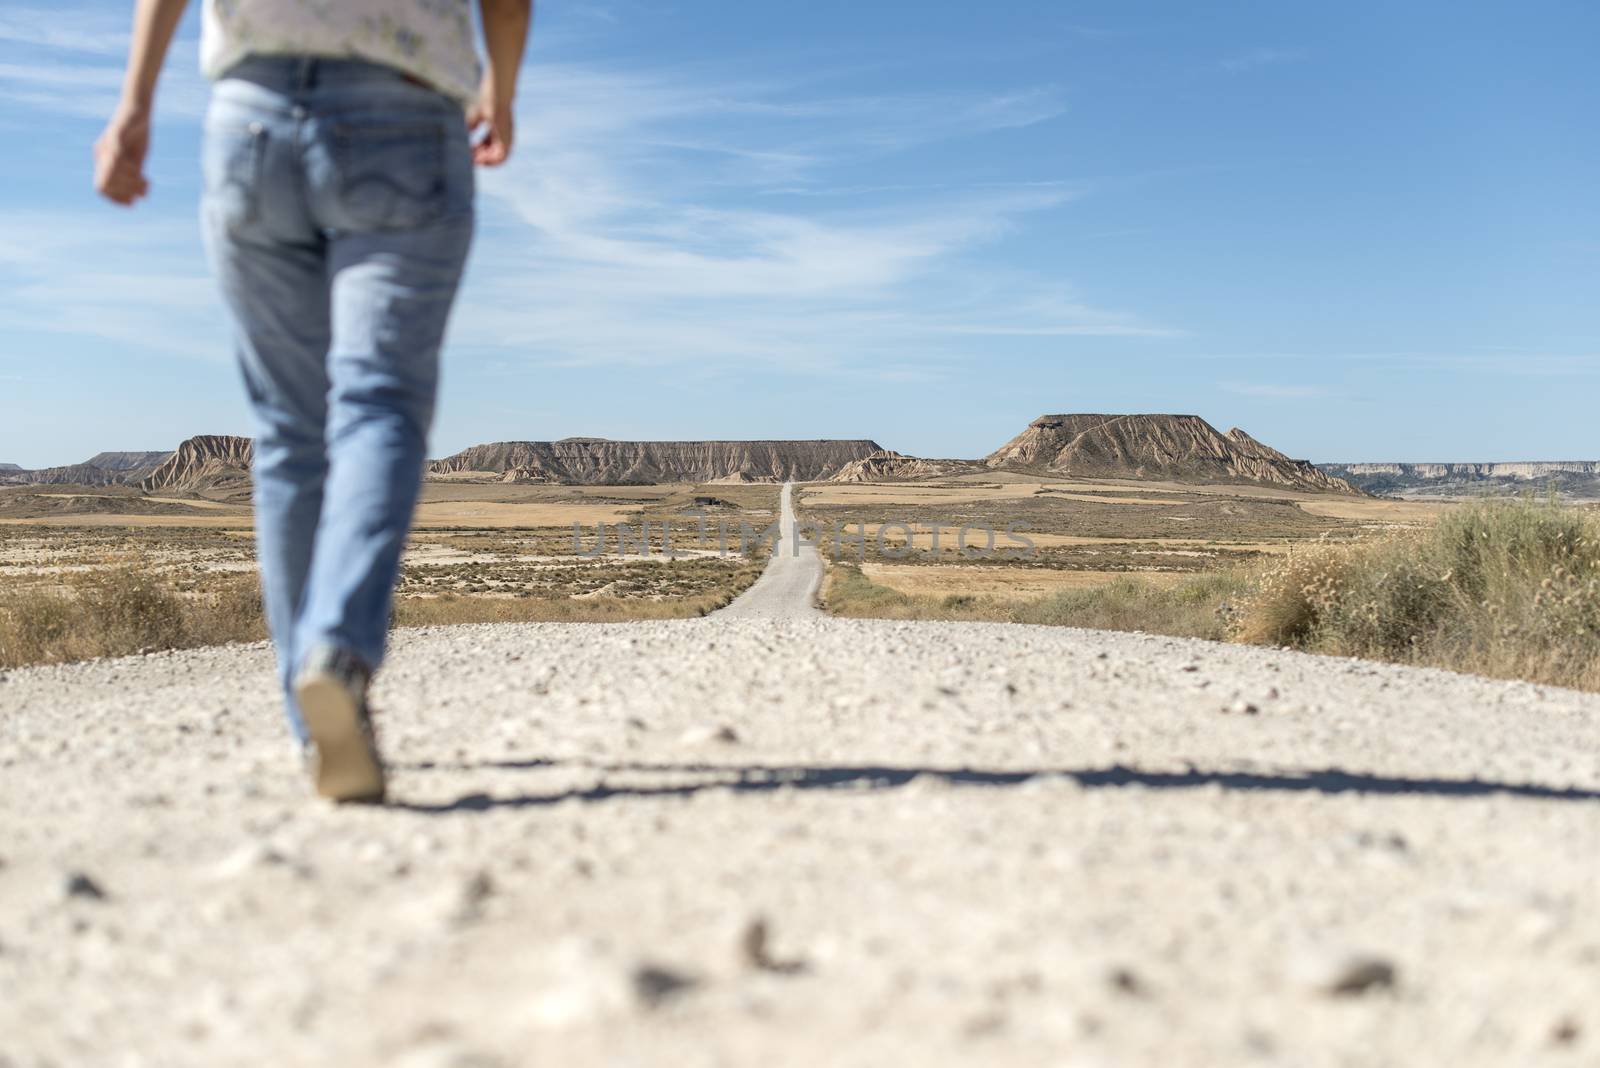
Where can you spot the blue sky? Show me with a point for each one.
(1361, 231)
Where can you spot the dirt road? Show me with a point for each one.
(738, 841)
(787, 589)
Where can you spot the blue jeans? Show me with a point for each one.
(337, 213)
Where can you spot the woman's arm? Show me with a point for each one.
(505, 33)
(119, 154)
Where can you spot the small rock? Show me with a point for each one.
(1565, 1031)
(702, 735)
(1126, 981)
(1241, 707)
(654, 985)
(984, 1024)
(78, 884)
(249, 858)
(1390, 840)
(1351, 975)
(755, 950)
(470, 899)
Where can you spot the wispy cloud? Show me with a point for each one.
(97, 31)
(625, 229)
(647, 217)
(597, 12)
(134, 281)
(1261, 57)
(65, 62)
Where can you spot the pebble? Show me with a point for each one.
(704, 734)
(654, 984)
(1126, 981)
(1350, 974)
(249, 858)
(80, 885)
(755, 949)
(1565, 1031)
(470, 898)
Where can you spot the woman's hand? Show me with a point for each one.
(494, 119)
(119, 156)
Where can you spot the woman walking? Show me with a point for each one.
(337, 214)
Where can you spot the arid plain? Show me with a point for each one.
(623, 834)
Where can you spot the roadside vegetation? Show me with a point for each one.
(1509, 589)
(1503, 588)
(123, 610)
(139, 607)
(1195, 608)
(74, 588)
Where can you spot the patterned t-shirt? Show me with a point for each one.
(429, 39)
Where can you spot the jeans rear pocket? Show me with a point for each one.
(391, 176)
(231, 169)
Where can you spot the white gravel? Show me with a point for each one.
(799, 842)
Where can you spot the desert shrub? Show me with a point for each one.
(1507, 588)
(130, 610)
(123, 610)
(33, 625)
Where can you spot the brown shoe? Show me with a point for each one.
(331, 690)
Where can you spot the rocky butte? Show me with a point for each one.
(1175, 448)
(204, 462)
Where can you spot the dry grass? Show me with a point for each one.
(1509, 589)
(126, 609)
(1197, 606)
(939, 580)
(122, 580)
(455, 608)
(123, 610)
(1505, 588)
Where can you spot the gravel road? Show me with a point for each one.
(787, 588)
(739, 841)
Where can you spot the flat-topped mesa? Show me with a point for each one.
(1578, 479)
(599, 461)
(1529, 469)
(204, 462)
(1179, 448)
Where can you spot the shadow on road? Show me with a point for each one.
(767, 778)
